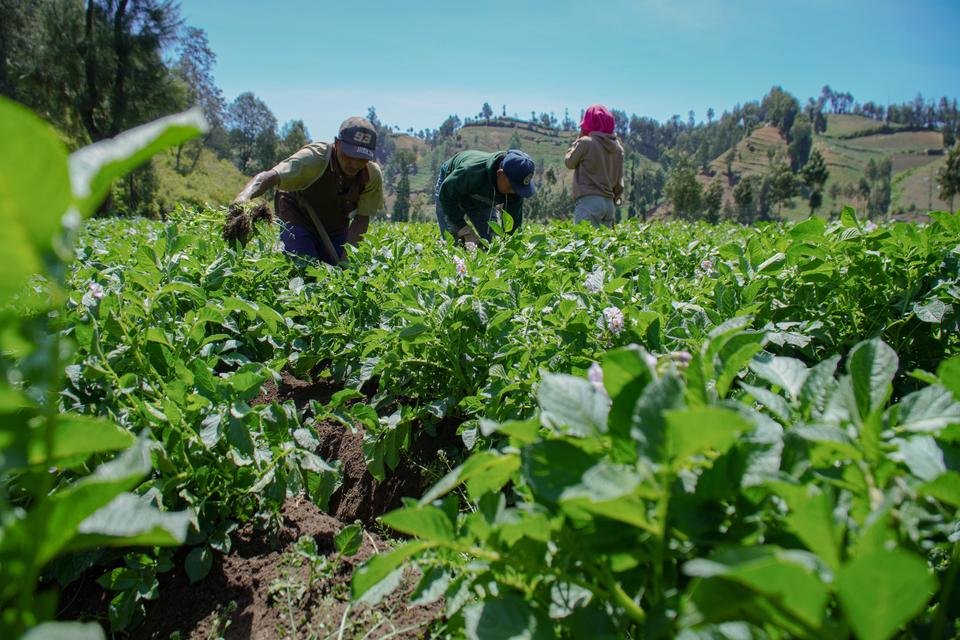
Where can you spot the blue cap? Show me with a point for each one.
(519, 168)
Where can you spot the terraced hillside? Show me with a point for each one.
(848, 145)
(546, 147)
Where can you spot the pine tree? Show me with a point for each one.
(713, 199)
(949, 176)
(401, 206)
(683, 190)
(814, 176)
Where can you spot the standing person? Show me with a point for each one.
(320, 187)
(473, 183)
(596, 158)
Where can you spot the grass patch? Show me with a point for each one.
(212, 181)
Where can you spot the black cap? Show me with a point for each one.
(358, 138)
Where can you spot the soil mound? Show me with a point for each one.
(299, 592)
(290, 582)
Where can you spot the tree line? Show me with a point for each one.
(115, 64)
(119, 63)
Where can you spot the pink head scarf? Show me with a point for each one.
(596, 118)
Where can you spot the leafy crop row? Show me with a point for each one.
(721, 473)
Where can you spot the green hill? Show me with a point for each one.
(212, 180)
(547, 147)
(848, 144)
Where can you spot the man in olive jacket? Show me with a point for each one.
(473, 183)
(326, 192)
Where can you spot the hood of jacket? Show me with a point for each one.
(608, 141)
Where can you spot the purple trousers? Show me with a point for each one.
(302, 241)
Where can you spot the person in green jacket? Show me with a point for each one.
(473, 183)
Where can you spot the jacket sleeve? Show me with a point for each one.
(301, 169)
(574, 153)
(453, 187)
(618, 183)
(371, 198)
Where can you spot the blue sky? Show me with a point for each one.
(419, 61)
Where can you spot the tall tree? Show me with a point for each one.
(781, 109)
(252, 129)
(948, 177)
(486, 111)
(744, 196)
(194, 68)
(293, 136)
(401, 206)
(386, 144)
(682, 188)
(783, 185)
(801, 141)
(105, 58)
(814, 176)
(713, 199)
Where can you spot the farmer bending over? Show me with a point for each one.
(320, 187)
(473, 183)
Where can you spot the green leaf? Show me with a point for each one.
(506, 618)
(34, 194)
(872, 365)
(380, 566)
(818, 386)
(612, 491)
(522, 431)
(507, 221)
(93, 168)
(922, 455)
(882, 590)
(648, 424)
(131, 520)
(622, 367)
(949, 374)
(65, 631)
(552, 466)
(475, 466)
(495, 475)
(427, 522)
(246, 381)
(789, 374)
(932, 311)
(928, 410)
(785, 578)
(734, 357)
(198, 563)
(848, 218)
(701, 372)
(701, 429)
(945, 488)
(431, 587)
(773, 264)
(76, 435)
(811, 518)
(53, 523)
(810, 229)
(413, 330)
(568, 401)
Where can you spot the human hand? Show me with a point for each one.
(466, 235)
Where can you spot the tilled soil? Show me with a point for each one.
(258, 590)
(243, 596)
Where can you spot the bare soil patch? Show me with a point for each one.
(268, 586)
(259, 593)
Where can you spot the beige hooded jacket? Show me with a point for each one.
(597, 163)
